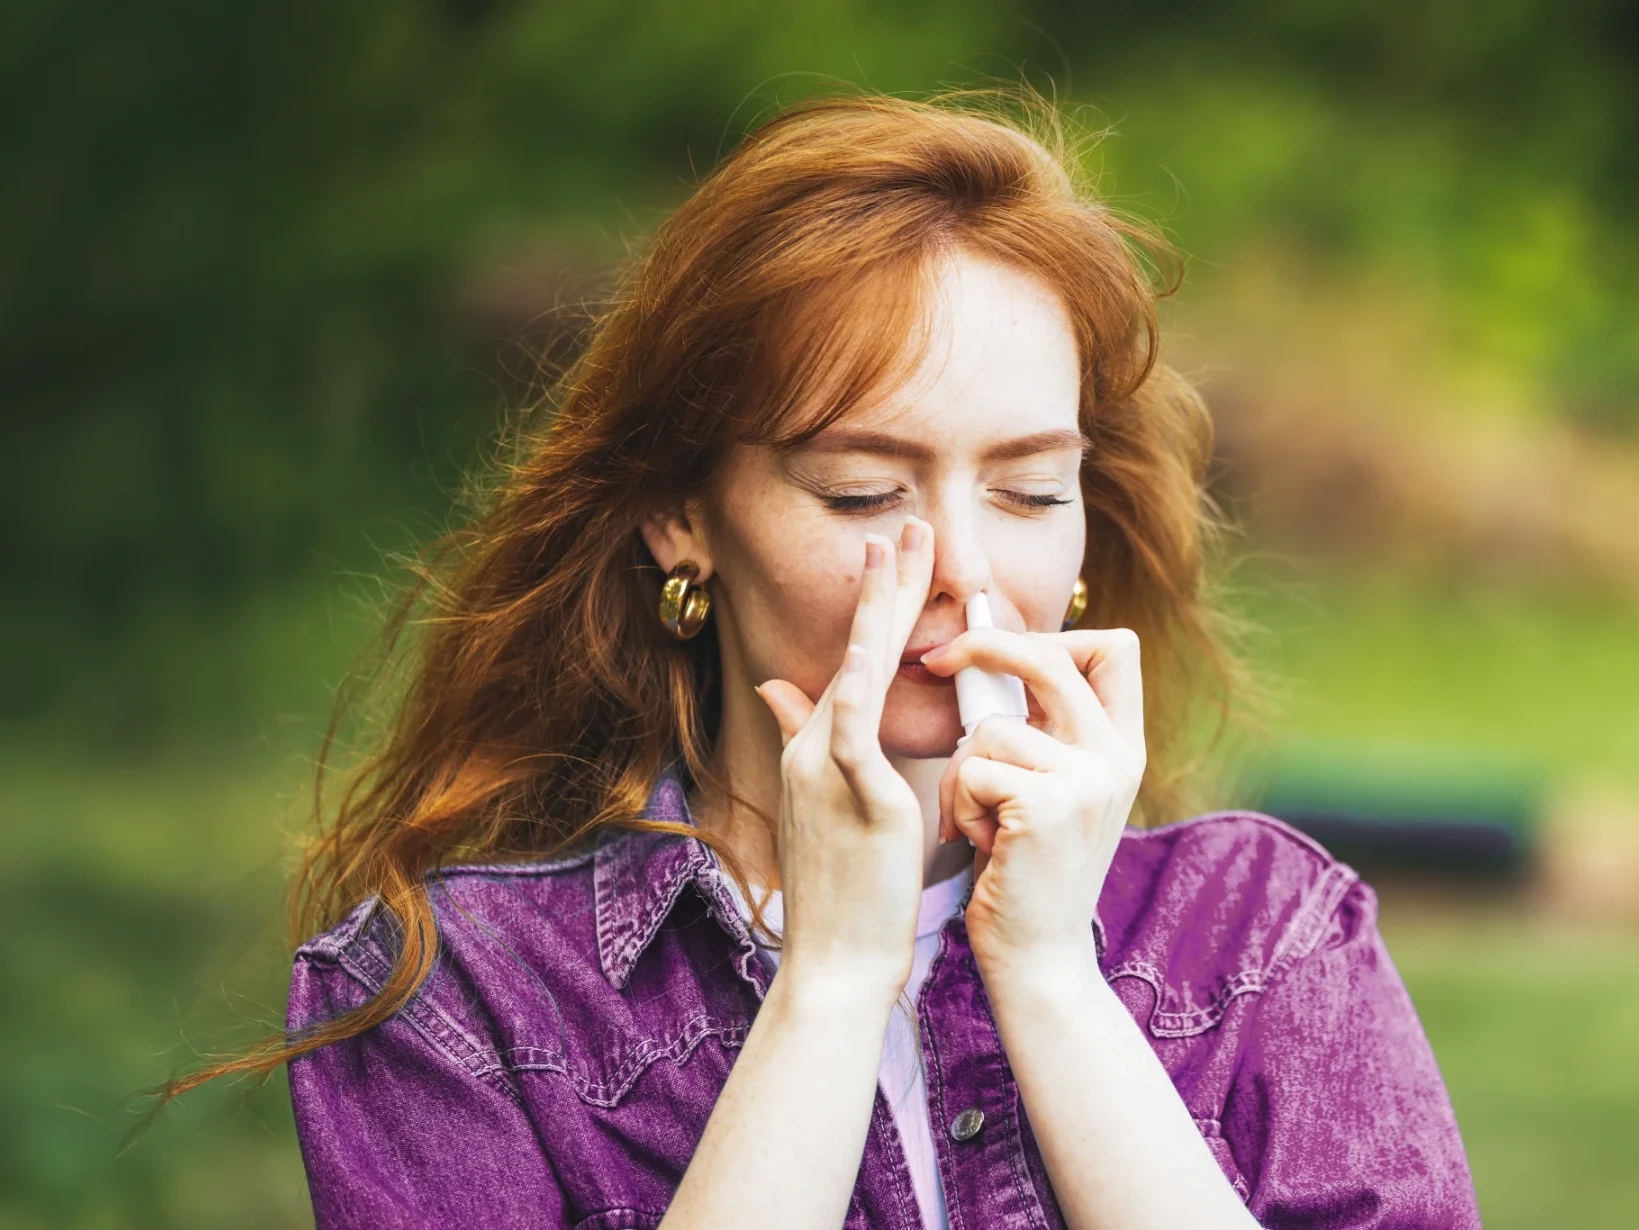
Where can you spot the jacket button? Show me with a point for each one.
(967, 1124)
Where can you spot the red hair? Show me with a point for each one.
(542, 696)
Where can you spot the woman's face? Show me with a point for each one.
(982, 441)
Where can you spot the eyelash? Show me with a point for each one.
(875, 503)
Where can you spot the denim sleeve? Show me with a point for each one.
(1338, 1115)
(396, 1130)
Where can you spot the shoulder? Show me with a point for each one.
(522, 989)
(1218, 906)
(496, 925)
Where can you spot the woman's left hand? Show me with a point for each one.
(1044, 802)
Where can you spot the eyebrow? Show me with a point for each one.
(898, 446)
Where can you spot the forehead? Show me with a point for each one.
(996, 371)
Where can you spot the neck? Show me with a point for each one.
(749, 763)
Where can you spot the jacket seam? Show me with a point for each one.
(1296, 940)
(440, 1030)
(1334, 904)
(643, 1057)
(1165, 1024)
(1014, 1143)
(1212, 1128)
(1300, 939)
(888, 1130)
(935, 1071)
(603, 1217)
(1262, 819)
(426, 1019)
(541, 867)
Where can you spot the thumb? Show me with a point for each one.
(981, 860)
(789, 704)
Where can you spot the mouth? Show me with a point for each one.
(911, 669)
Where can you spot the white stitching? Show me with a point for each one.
(1298, 938)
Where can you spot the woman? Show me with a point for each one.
(697, 652)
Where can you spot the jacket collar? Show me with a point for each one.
(638, 876)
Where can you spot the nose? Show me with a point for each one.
(961, 566)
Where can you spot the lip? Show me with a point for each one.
(915, 672)
(913, 653)
(911, 669)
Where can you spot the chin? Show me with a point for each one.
(920, 731)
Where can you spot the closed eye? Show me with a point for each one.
(876, 502)
(1036, 501)
(860, 503)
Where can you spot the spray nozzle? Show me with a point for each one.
(979, 693)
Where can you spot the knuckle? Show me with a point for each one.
(794, 778)
(797, 764)
(844, 753)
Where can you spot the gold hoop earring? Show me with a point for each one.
(1078, 604)
(683, 604)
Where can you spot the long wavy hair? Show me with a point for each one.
(538, 696)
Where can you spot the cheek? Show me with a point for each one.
(1038, 574)
(798, 619)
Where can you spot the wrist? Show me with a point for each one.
(844, 991)
(1045, 973)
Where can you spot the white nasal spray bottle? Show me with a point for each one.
(979, 693)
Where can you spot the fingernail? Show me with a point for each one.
(873, 551)
(910, 535)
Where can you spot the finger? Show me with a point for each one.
(1010, 741)
(1047, 670)
(975, 823)
(854, 746)
(789, 704)
(873, 631)
(872, 628)
(1002, 739)
(947, 791)
(822, 702)
(1110, 660)
(981, 860)
(982, 787)
(915, 577)
(981, 829)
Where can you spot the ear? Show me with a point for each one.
(677, 535)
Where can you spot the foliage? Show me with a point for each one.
(234, 262)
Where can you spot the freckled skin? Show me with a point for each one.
(1002, 364)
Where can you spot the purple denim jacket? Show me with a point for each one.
(559, 1066)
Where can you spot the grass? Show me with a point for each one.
(1534, 1027)
(141, 919)
(1444, 676)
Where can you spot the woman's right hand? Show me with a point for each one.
(851, 828)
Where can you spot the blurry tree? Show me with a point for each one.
(234, 235)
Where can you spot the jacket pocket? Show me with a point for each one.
(604, 1075)
(1182, 1011)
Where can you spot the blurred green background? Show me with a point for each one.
(271, 273)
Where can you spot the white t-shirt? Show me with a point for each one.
(903, 1081)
